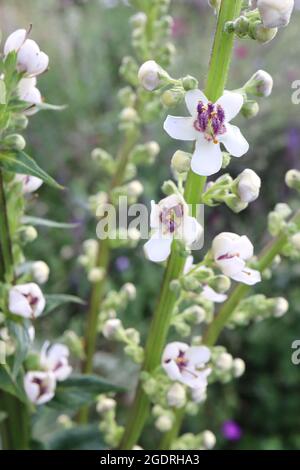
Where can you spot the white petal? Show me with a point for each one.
(234, 141)
(244, 247)
(15, 41)
(223, 243)
(198, 355)
(247, 276)
(195, 379)
(180, 128)
(188, 264)
(154, 216)
(231, 266)
(192, 99)
(191, 230)
(207, 158)
(172, 370)
(40, 65)
(158, 249)
(27, 55)
(210, 294)
(173, 349)
(18, 304)
(231, 103)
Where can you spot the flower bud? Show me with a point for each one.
(169, 188)
(199, 395)
(281, 307)
(40, 272)
(135, 189)
(127, 97)
(134, 235)
(283, 210)
(181, 161)
(19, 121)
(260, 84)
(220, 283)
(292, 179)
(164, 423)
(176, 396)
(275, 13)
(105, 404)
(111, 328)
(250, 109)
(130, 290)
(295, 240)
(172, 97)
(139, 19)
(189, 83)
(153, 148)
(96, 275)
(15, 141)
(151, 76)
(226, 159)
(29, 234)
(209, 440)
(128, 115)
(248, 186)
(239, 367)
(262, 34)
(65, 421)
(224, 361)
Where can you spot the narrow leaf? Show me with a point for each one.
(37, 221)
(57, 300)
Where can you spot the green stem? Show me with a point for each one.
(102, 263)
(218, 71)
(5, 241)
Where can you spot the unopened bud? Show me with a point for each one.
(260, 84)
(224, 361)
(130, 290)
(181, 161)
(295, 240)
(209, 440)
(189, 83)
(164, 423)
(176, 396)
(238, 367)
(135, 188)
(152, 76)
(105, 404)
(292, 179)
(248, 186)
(281, 307)
(275, 13)
(40, 272)
(111, 328)
(250, 109)
(172, 97)
(15, 141)
(262, 34)
(96, 275)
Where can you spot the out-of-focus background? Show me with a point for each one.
(86, 41)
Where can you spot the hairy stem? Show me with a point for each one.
(5, 241)
(218, 71)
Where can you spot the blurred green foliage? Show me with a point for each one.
(86, 42)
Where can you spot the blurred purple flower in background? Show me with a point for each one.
(231, 430)
(122, 263)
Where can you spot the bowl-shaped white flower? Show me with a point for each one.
(209, 125)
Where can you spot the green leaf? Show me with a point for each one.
(78, 438)
(10, 385)
(19, 331)
(54, 301)
(20, 162)
(80, 390)
(37, 221)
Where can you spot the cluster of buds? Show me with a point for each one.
(236, 193)
(112, 432)
(203, 441)
(257, 308)
(113, 329)
(279, 220)
(224, 366)
(262, 20)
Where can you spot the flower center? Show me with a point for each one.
(210, 121)
(171, 218)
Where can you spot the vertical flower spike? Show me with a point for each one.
(209, 125)
(187, 364)
(30, 59)
(169, 219)
(55, 359)
(26, 300)
(39, 386)
(230, 253)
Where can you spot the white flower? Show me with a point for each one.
(209, 127)
(40, 272)
(150, 75)
(30, 59)
(230, 253)
(275, 13)
(169, 219)
(248, 186)
(29, 183)
(26, 300)
(55, 359)
(39, 386)
(27, 91)
(186, 364)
